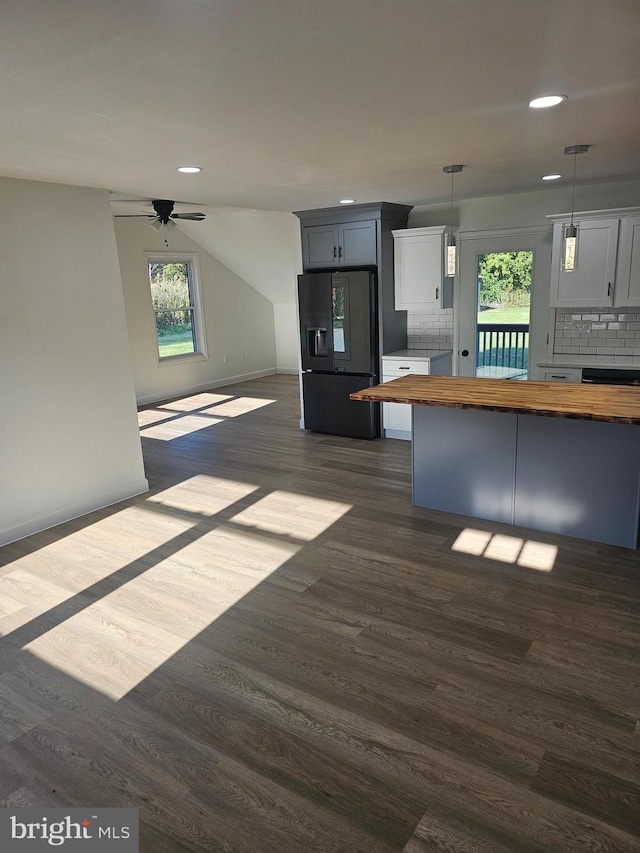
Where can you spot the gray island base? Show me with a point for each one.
(558, 474)
(546, 455)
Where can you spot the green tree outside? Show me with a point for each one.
(504, 280)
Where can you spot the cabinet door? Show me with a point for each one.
(319, 246)
(627, 290)
(396, 417)
(591, 283)
(418, 272)
(357, 244)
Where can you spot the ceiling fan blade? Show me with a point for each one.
(134, 215)
(196, 217)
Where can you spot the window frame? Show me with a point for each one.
(196, 306)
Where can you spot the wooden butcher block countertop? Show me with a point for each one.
(612, 403)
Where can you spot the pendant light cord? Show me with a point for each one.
(452, 174)
(573, 191)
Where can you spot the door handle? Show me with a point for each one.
(465, 352)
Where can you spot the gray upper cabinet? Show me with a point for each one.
(343, 245)
(355, 237)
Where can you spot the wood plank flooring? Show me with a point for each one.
(273, 651)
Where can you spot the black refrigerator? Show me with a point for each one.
(338, 334)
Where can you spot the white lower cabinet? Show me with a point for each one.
(563, 375)
(396, 417)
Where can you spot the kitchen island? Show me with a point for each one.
(546, 455)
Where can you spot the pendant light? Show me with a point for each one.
(450, 239)
(570, 232)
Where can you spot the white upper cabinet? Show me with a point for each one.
(592, 282)
(418, 270)
(608, 268)
(628, 274)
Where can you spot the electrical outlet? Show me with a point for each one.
(582, 326)
(225, 359)
(246, 354)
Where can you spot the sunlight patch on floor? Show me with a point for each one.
(147, 417)
(197, 401)
(55, 573)
(291, 514)
(118, 641)
(202, 494)
(507, 549)
(183, 417)
(179, 427)
(239, 406)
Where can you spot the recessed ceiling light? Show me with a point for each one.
(189, 170)
(547, 101)
(347, 200)
(551, 177)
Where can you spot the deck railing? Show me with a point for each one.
(503, 345)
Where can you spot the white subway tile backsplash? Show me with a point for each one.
(430, 331)
(609, 337)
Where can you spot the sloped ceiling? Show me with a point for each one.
(262, 247)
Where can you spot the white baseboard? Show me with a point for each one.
(36, 525)
(290, 371)
(203, 386)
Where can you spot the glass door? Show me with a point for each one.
(497, 279)
(352, 317)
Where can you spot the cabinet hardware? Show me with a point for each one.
(335, 252)
(339, 251)
(437, 293)
(404, 368)
(558, 376)
(609, 289)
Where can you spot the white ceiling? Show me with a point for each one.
(294, 104)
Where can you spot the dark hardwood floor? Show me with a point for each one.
(272, 651)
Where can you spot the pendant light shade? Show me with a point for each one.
(570, 231)
(450, 238)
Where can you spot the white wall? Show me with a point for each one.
(237, 319)
(69, 440)
(263, 247)
(285, 318)
(520, 210)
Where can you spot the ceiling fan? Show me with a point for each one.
(163, 218)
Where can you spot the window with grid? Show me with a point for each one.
(175, 297)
